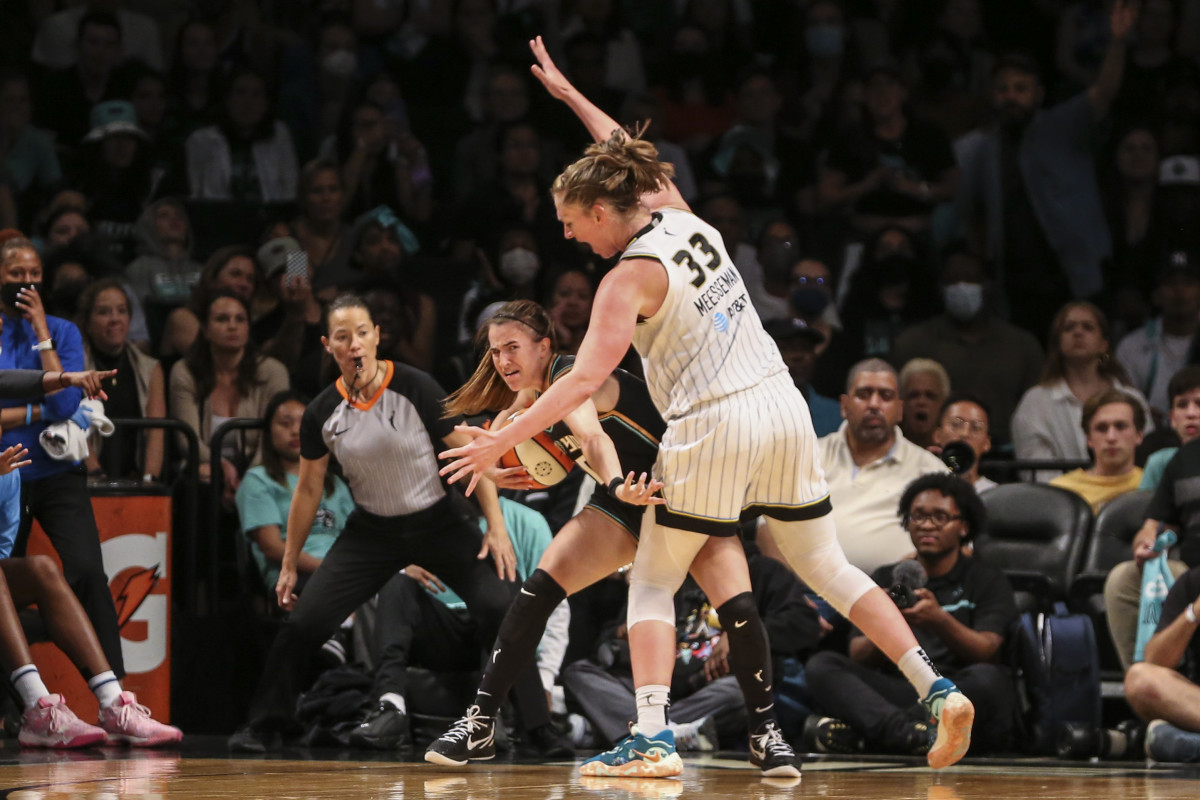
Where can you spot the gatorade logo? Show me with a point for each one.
(134, 563)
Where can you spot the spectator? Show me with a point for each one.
(1029, 189)
(26, 153)
(248, 154)
(622, 55)
(820, 70)
(116, 176)
(52, 492)
(138, 37)
(886, 297)
(1162, 689)
(64, 224)
(320, 229)
(570, 306)
(223, 378)
(78, 86)
(798, 345)
(194, 83)
(961, 618)
(164, 274)
(695, 92)
(265, 495)
(1184, 419)
(383, 164)
(406, 321)
(644, 108)
(230, 269)
(1048, 421)
(1113, 423)
(984, 355)
(965, 419)
(137, 391)
(1137, 217)
(318, 80)
(924, 387)
(891, 169)
(291, 331)
(418, 622)
(769, 272)
(1152, 59)
(505, 100)
(954, 62)
(149, 99)
(1156, 352)
(868, 462)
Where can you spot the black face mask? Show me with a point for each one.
(809, 301)
(8, 292)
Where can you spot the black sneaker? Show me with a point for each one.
(770, 751)
(383, 728)
(545, 741)
(253, 739)
(472, 738)
(917, 739)
(829, 735)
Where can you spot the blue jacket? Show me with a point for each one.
(16, 352)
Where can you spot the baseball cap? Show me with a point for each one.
(273, 256)
(113, 117)
(1179, 171)
(1179, 263)
(786, 329)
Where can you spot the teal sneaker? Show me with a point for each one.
(637, 756)
(1170, 745)
(953, 714)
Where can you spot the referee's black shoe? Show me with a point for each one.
(472, 738)
(384, 727)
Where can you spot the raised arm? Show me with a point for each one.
(1102, 93)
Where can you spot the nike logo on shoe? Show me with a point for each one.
(475, 744)
(654, 756)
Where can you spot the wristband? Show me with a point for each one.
(28, 414)
(1190, 613)
(612, 487)
(44, 344)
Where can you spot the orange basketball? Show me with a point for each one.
(546, 462)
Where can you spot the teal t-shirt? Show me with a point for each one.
(530, 535)
(261, 501)
(1155, 464)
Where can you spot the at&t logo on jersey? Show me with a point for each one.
(720, 322)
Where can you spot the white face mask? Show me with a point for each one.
(519, 266)
(963, 301)
(340, 63)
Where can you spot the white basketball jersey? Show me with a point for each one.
(705, 341)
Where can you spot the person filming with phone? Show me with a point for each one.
(960, 609)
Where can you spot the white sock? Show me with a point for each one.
(919, 670)
(28, 683)
(652, 702)
(395, 700)
(106, 687)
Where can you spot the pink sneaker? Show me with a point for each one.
(128, 722)
(51, 724)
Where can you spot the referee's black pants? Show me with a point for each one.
(443, 539)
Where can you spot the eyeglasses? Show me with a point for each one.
(804, 280)
(940, 519)
(958, 424)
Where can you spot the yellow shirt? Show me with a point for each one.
(1098, 490)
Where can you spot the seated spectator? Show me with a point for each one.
(798, 346)
(405, 332)
(28, 155)
(924, 387)
(228, 269)
(139, 37)
(992, 359)
(383, 164)
(418, 622)
(1184, 419)
(1154, 353)
(769, 265)
(1113, 423)
(644, 108)
(1162, 689)
(961, 618)
(505, 100)
(137, 391)
(291, 331)
(890, 169)
(620, 53)
(265, 495)
(868, 462)
(696, 94)
(1048, 421)
(248, 155)
(964, 418)
(70, 269)
(63, 225)
(319, 77)
(194, 85)
(1173, 506)
(163, 275)
(222, 378)
(570, 306)
(886, 297)
(320, 229)
(115, 173)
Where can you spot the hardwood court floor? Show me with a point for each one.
(202, 771)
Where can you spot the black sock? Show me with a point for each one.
(517, 641)
(749, 656)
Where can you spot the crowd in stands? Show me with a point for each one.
(968, 224)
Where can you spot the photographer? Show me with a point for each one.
(960, 610)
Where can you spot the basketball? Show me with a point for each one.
(544, 460)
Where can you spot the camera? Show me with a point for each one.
(1077, 740)
(902, 595)
(958, 456)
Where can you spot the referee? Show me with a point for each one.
(382, 422)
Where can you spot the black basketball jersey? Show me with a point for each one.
(634, 426)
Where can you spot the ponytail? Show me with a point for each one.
(619, 170)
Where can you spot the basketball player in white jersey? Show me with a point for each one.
(739, 440)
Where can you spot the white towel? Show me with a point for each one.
(67, 441)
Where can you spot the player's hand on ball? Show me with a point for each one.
(473, 452)
(511, 478)
(642, 493)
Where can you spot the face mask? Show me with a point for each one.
(809, 301)
(340, 63)
(963, 301)
(8, 293)
(519, 266)
(824, 40)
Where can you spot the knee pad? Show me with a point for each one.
(648, 602)
(813, 551)
(739, 608)
(535, 601)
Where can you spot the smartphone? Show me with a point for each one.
(297, 267)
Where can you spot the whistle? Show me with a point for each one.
(358, 363)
